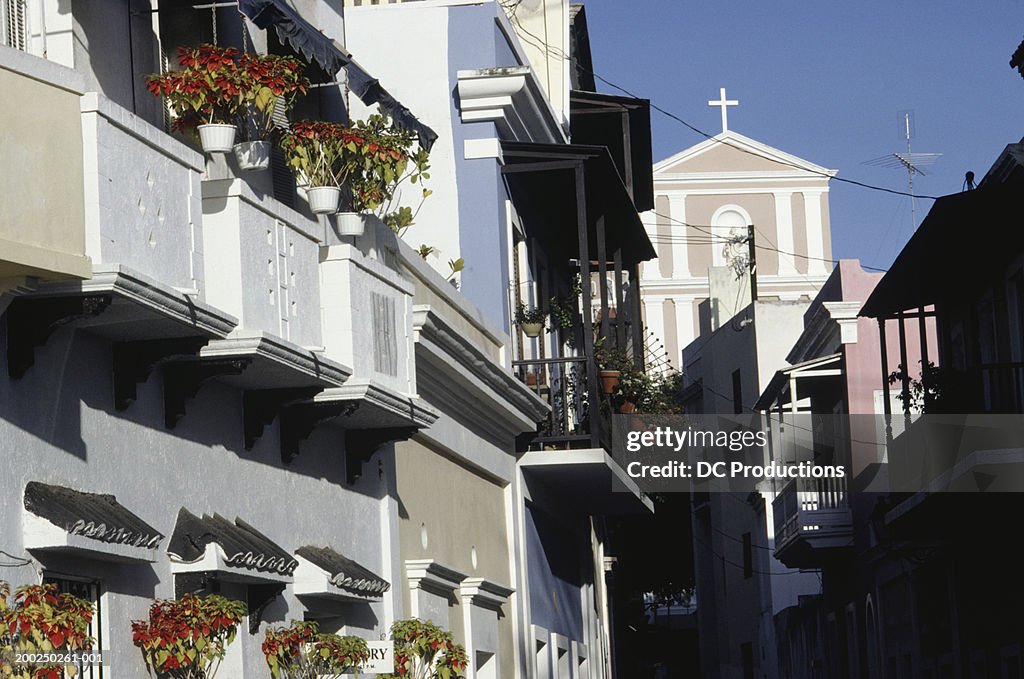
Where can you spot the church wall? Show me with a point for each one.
(800, 232)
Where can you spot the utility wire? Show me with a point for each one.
(559, 54)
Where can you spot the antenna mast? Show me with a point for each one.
(910, 161)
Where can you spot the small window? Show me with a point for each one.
(385, 340)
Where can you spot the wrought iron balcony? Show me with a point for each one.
(812, 521)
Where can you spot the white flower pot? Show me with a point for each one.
(253, 155)
(532, 329)
(323, 200)
(352, 223)
(217, 138)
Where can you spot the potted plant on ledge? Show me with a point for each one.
(530, 321)
(376, 157)
(271, 84)
(312, 149)
(41, 621)
(208, 92)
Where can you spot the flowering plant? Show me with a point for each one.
(223, 85)
(210, 87)
(40, 619)
(312, 149)
(300, 652)
(425, 651)
(188, 637)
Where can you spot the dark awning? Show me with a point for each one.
(90, 515)
(947, 243)
(611, 121)
(344, 573)
(542, 182)
(315, 46)
(242, 545)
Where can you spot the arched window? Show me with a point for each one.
(728, 222)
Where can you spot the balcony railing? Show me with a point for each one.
(1001, 387)
(812, 516)
(562, 383)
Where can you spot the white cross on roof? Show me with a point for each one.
(724, 103)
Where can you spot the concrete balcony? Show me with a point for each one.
(261, 262)
(812, 522)
(42, 206)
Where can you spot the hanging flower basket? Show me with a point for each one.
(352, 223)
(323, 200)
(217, 137)
(253, 155)
(532, 330)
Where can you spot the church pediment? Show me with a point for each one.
(731, 152)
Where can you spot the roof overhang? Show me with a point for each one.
(317, 47)
(235, 552)
(542, 181)
(920, 276)
(59, 519)
(470, 372)
(512, 99)
(325, 574)
(623, 125)
(588, 480)
(822, 366)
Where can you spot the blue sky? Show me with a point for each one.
(826, 81)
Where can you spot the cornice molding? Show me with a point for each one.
(512, 99)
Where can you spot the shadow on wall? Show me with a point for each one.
(73, 375)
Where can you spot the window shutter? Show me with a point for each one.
(280, 175)
(15, 24)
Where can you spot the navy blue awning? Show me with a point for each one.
(315, 46)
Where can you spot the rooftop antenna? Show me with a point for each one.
(911, 161)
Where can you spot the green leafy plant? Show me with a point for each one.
(925, 392)
(299, 651)
(455, 267)
(187, 638)
(39, 619)
(425, 651)
(527, 315)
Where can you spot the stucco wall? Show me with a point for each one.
(58, 426)
(457, 523)
(42, 206)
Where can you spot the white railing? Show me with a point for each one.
(811, 506)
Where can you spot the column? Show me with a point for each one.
(680, 248)
(654, 322)
(816, 266)
(784, 232)
(684, 323)
(651, 270)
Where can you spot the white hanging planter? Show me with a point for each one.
(352, 223)
(323, 200)
(253, 155)
(217, 138)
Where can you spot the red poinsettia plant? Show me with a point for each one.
(225, 86)
(187, 638)
(41, 620)
(425, 651)
(300, 651)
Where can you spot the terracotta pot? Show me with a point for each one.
(627, 408)
(532, 329)
(531, 379)
(610, 380)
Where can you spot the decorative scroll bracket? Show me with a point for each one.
(183, 380)
(261, 406)
(298, 422)
(31, 321)
(361, 444)
(134, 361)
